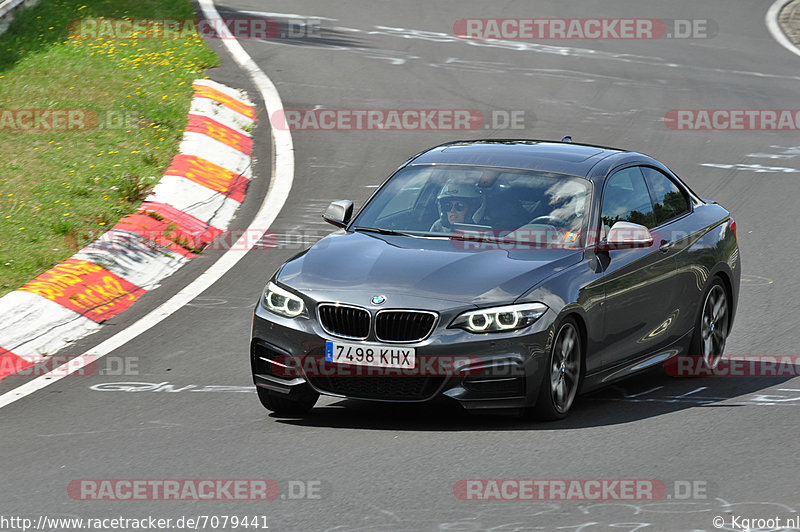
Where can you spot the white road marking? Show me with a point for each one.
(286, 15)
(520, 46)
(786, 152)
(278, 193)
(770, 156)
(757, 168)
(651, 390)
(775, 29)
(692, 392)
(167, 387)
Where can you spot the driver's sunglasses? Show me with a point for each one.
(449, 205)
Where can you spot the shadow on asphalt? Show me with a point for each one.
(637, 398)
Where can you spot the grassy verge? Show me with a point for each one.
(58, 187)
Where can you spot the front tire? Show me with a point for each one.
(284, 405)
(562, 376)
(711, 327)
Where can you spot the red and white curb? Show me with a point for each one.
(190, 207)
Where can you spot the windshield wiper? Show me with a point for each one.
(379, 230)
(467, 235)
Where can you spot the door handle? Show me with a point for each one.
(665, 246)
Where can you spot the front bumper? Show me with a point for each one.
(480, 371)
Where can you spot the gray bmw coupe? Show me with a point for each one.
(502, 275)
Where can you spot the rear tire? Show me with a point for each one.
(284, 405)
(712, 324)
(562, 377)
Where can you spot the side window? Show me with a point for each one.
(668, 200)
(625, 199)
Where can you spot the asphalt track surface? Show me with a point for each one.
(393, 468)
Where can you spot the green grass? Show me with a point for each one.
(59, 189)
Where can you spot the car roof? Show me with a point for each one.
(542, 155)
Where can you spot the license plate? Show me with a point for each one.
(379, 356)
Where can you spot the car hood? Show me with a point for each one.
(420, 268)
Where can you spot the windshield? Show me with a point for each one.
(539, 208)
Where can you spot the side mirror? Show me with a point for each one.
(625, 235)
(339, 213)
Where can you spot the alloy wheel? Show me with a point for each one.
(714, 326)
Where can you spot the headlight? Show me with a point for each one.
(283, 303)
(496, 319)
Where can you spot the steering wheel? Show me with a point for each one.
(548, 220)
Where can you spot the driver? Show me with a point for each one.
(458, 203)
